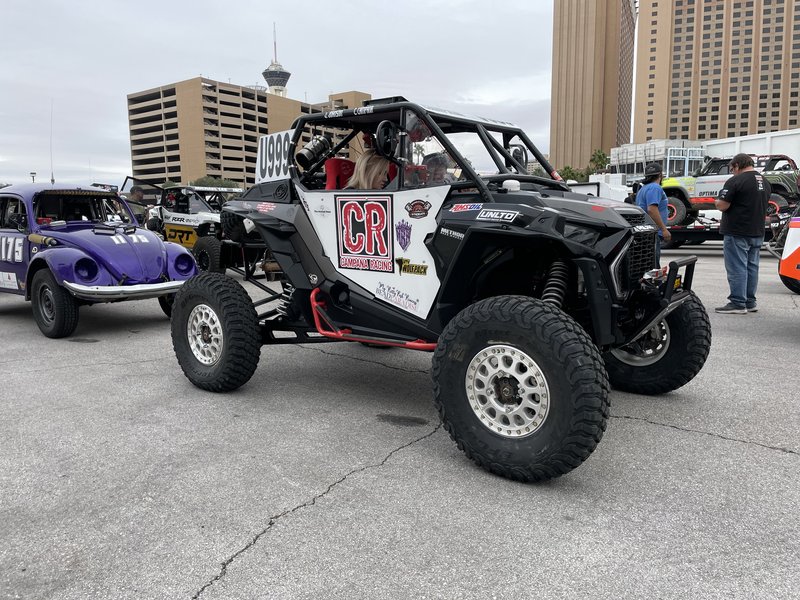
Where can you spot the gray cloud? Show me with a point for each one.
(82, 59)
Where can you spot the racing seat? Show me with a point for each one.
(416, 175)
(338, 172)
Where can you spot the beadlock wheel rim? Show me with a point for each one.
(647, 350)
(205, 334)
(507, 391)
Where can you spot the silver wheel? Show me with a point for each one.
(648, 349)
(507, 391)
(204, 331)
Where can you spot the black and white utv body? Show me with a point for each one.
(532, 298)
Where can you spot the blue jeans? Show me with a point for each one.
(741, 264)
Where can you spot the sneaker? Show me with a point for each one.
(753, 308)
(731, 309)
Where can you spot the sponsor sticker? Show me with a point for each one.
(406, 266)
(403, 232)
(456, 235)
(503, 216)
(364, 233)
(418, 209)
(8, 281)
(396, 297)
(265, 207)
(465, 207)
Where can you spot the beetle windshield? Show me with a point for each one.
(54, 205)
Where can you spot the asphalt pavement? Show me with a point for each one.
(328, 475)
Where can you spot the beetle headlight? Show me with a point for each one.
(86, 269)
(184, 264)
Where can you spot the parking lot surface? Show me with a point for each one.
(328, 476)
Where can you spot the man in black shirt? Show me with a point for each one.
(743, 202)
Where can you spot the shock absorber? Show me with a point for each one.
(556, 286)
(284, 307)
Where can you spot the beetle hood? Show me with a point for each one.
(132, 255)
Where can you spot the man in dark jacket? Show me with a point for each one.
(743, 202)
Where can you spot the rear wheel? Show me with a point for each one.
(54, 308)
(520, 387)
(776, 204)
(208, 254)
(666, 357)
(215, 332)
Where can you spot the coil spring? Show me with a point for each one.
(556, 286)
(285, 299)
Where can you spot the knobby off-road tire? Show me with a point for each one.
(166, 302)
(215, 332)
(54, 308)
(155, 224)
(207, 252)
(679, 211)
(234, 229)
(667, 357)
(520, 387)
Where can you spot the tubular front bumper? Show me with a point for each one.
(673, 292)
(107, 293)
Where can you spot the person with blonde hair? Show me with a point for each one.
(371, 172)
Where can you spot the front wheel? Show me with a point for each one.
(54, 308)
(208, 254)
(668, 356)
(215, 332)
(676, 211)
(520, 387)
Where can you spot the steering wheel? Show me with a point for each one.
(386, 139)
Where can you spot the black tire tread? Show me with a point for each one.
(66, 306)
(240, 326)
(213, 251)
(585, 376)
(692, 317)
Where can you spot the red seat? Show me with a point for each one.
(338, 172)
(416, 175)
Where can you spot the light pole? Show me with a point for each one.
(33, 176)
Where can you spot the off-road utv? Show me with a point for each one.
(190, 216)
(532, 298)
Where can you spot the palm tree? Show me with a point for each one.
(419, 152)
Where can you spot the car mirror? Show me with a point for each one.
(18, 220)
(696, 173)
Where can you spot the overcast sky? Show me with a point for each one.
(80, 60)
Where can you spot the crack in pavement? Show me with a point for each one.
(273, 519)
(716, 435)
(364, 360)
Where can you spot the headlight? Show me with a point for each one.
(86, 269)
(184, 264)
(581, 235)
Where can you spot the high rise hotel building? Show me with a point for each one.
(592, 78)
(709, 69)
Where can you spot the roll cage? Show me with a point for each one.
(510, 159)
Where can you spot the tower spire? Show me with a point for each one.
(275, 75)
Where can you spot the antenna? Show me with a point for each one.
(274, 42)
(52, 177)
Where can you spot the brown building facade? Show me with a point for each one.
(187, 130)
(592, 80)
(709, 69)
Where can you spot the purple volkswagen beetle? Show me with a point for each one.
(63, 246)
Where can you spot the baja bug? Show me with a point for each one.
(65, 246)
(532, 298)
